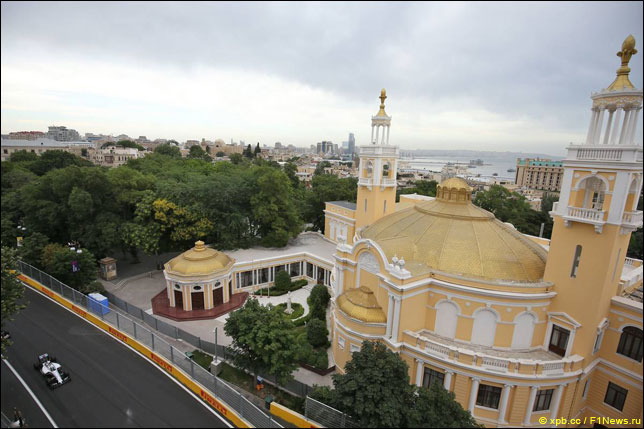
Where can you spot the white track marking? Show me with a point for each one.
(33, 396)
(142, 356)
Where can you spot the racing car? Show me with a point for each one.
(52, 371)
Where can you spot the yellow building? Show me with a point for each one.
(521, 329)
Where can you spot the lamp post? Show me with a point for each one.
(216, 331)
(21, 233)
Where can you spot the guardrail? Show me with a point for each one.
(214, 391)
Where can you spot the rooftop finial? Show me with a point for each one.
(383, 96)
(628, 50)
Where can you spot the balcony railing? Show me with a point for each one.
(519, 365)
(601, 153)
(586, 214)
(633, 219)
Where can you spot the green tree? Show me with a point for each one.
(290, 169)
(258, 151)
(263, 340)
(282, 281)
(57, 159)
(316, 333)
(319, 300)
(76, 270)
(236, 158)
(32, 247)
(220, 154)
(196, 152)
(374, 389)
(320, 167)
(168, 150)
(435, 407)
(23, 156)
(12, 289)
(274, 210)
(248, 152)
(327, 187)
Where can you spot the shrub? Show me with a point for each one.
(283, 281)
(317, 333)
(298, 310)
(320, 296)
(322, 359)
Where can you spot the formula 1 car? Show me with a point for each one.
(52, 371)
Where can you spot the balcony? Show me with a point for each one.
(611, 153)
(538, 362)
(579, 214)
(632, 220)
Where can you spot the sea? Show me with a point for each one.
(485, 171)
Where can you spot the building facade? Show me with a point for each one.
(519, 328)
(542, 174)
(63, 134)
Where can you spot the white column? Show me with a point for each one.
(600, 124)
(622, 135)
(419, 372)
(394, 334)
(633, 127)
(591, 127)
(618, 117)
(609, 124)
(447, 382)
(473, 393)
(388, 134)
(390, 316)
(504, 402)
(557, 401)
(377, 133)
(528, 413)
(372, 134)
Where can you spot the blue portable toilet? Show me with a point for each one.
(98, 304)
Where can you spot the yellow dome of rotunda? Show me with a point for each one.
(200, 260)
(361, 304)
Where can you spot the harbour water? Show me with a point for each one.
(486, 171)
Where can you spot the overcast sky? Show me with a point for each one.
(482, 76)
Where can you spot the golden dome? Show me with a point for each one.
(450, 235)
(198, 261)
(361, 304)
(622, 81)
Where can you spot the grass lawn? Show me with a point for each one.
(202, 359)
(246, 381)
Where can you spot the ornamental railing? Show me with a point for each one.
(632, 218)
(593, 215)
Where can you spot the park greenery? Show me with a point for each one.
(12, 290)
(375, 392)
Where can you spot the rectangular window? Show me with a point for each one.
(384, 209)
(615, 396)
(354, 348)
(619, 253)
(543, 399)
(341, 342)
(630, 343)
(365, 205)
(575, 262)
(309, 270)
(432, 376)
(559, 340)
(488, 396)
(598, 342)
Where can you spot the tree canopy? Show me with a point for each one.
(263, 340)
(12, 289)
(375, 392)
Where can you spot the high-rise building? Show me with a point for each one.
(542, 174)
(352, 144)
(63, 134)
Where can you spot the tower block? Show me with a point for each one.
(597, 209)
(377, 171)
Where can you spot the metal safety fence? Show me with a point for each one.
(121, 318)
(327, 416)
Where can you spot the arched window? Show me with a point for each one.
(385, 170)
(630, 343)
(446, 319)
(594, 191)
(523, 330)
(484, 329)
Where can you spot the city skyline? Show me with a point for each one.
(457, 75)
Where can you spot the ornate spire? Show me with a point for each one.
(622, 81)
(383, 96)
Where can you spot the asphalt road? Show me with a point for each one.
(111, 385)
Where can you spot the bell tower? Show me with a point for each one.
(377, 171)
(596, 214)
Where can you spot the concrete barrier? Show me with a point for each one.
(292, 417)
